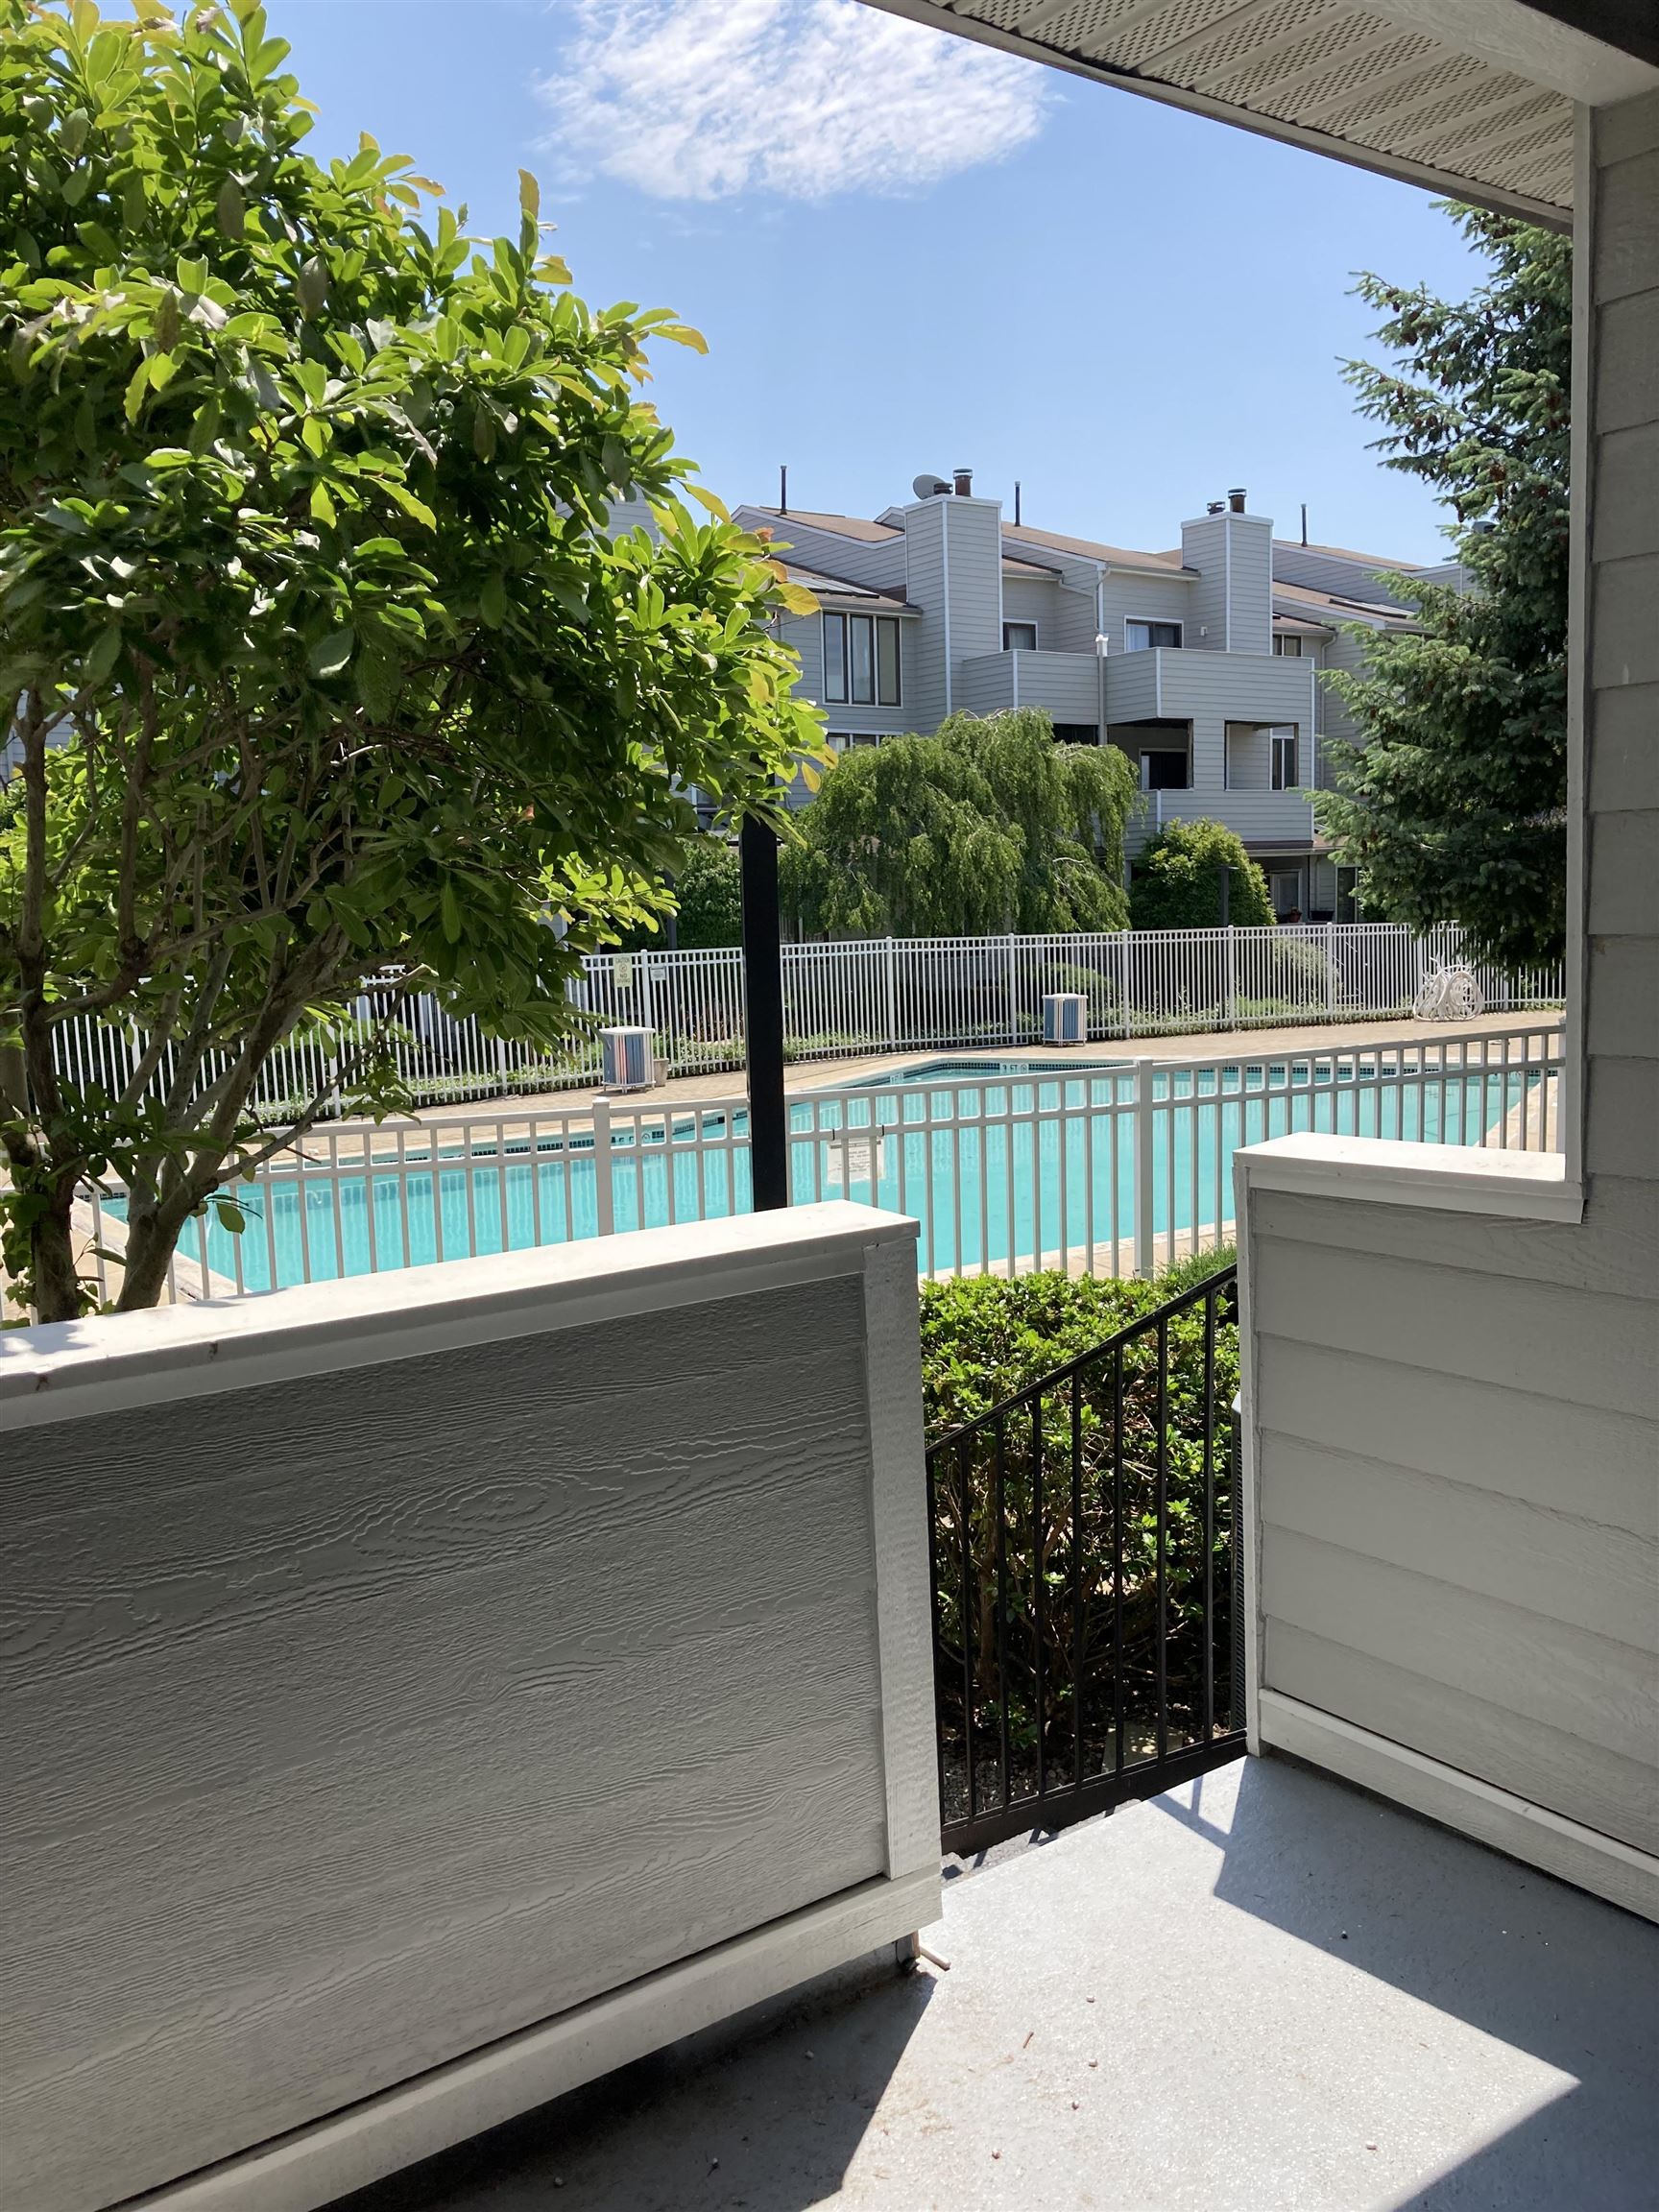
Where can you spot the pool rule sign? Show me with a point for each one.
(763, 1016)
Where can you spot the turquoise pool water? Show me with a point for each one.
(1027, 1166)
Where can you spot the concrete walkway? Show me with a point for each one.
(1261, 1992)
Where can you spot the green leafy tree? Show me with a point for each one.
(1452, 805)
(709, 889)
(1177, 880)
(988, 825)
(321, 662)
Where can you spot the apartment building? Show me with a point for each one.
(1202, 662)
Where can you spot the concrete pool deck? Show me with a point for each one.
(803, 1075)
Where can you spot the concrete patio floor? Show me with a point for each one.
(1261, 1992)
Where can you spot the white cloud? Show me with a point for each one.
(704, 99)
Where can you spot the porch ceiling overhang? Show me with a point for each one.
(1475, 100)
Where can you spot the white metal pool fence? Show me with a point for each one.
(891, 994)
(1110, 1167)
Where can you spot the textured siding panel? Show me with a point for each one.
(1537, 1336)
(1026, 600)
(1126, 597)
(1515, 1752)
(974, 530)
(468, 1671)
(1593, 1686)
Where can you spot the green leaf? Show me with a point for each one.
(492, 601)
(451, 907)
(311, 287)
(230, 209)
(102, 656)
(417, 509)
(231, 1216)
(529, 195)
(322, 510)
(334, 652)
(137, 384)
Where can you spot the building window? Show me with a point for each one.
(1019, 636)
(1288, 648)
(1284, 890)
(853, 741)
(1142, 636)
(1076, 733)
(1283, 760)
(861, 660)
(1164, 772)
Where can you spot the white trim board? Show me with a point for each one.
(313, 2166)
(1511, 1825)
(1448, 1178)
(68, 1369)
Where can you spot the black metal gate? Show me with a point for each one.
(1083, 1578)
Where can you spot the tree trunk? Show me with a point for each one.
(52, 1259)
(152, 1237)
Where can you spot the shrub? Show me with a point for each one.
(1083, 1592)
(1177, 880)
(709, 890)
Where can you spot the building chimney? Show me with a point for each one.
(964, 483)
(1235, 498)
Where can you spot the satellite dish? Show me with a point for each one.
(928, 487)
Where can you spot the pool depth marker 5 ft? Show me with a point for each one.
(764, 1026)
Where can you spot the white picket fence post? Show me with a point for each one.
(1146, 1168)
(604, 1168)
(1230, 955)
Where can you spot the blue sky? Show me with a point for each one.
(909, 254)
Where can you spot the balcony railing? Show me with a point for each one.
(1115, 1167)
(1084, 1592)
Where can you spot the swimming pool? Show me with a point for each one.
(966, 1070)
(1000, 1169)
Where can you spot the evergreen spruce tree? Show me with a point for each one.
(1452, 805)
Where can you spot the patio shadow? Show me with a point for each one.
(765, 2111)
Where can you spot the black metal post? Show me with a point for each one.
(1226, 894)
(763, 1003)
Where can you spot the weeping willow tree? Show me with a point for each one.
(986, 826)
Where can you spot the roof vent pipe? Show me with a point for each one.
(1235, 498)
(964, 483)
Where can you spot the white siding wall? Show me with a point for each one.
(1027, 599)
(1345, 651)
(974, 529)
(1455, 1417)
(1125, 597)
(927, 697)
(1234, 605)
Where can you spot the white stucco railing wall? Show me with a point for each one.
(428, 1691)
